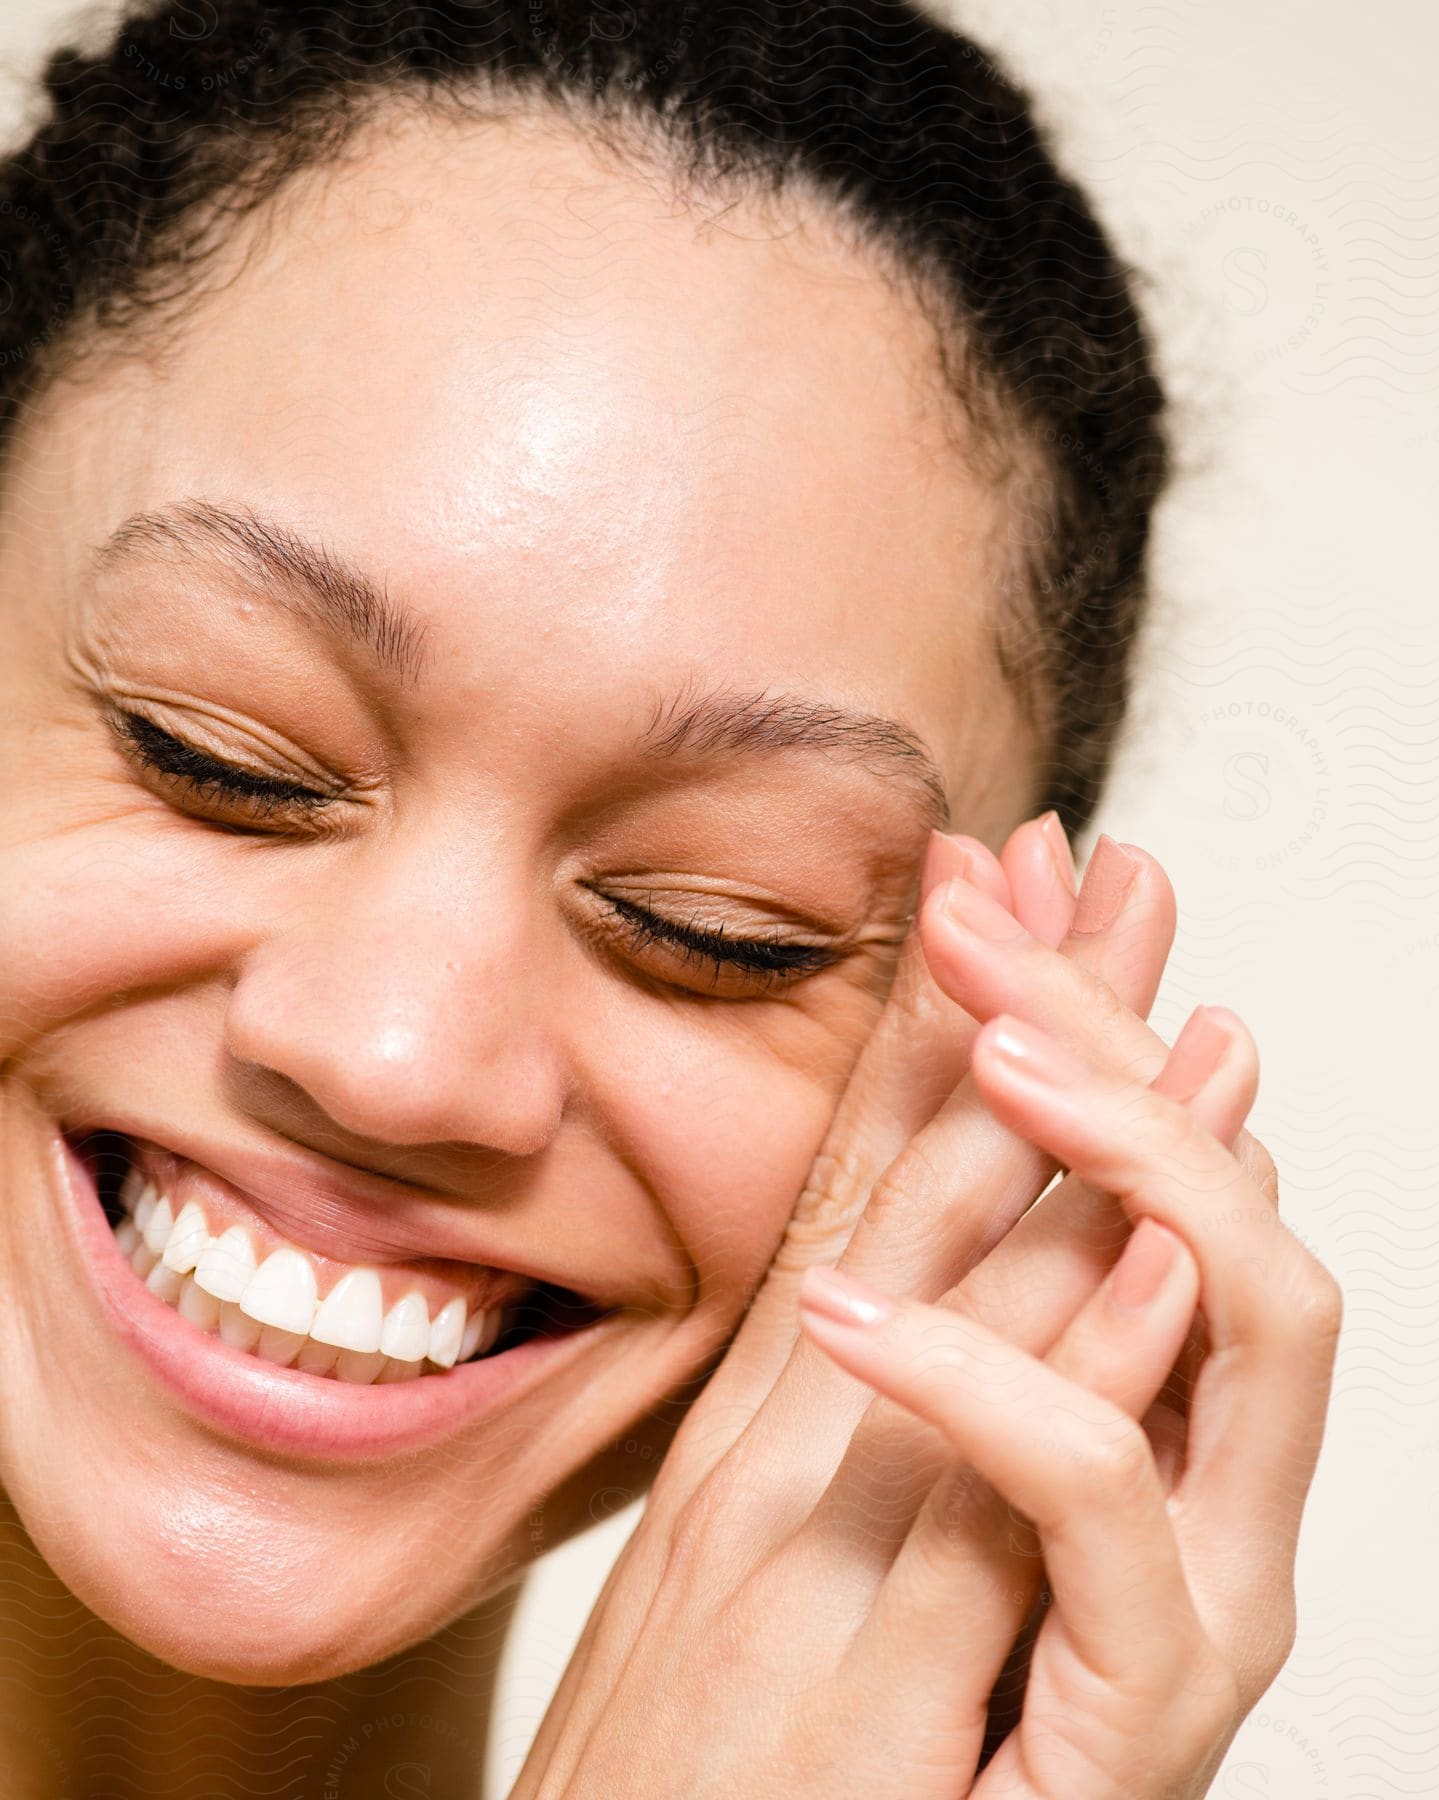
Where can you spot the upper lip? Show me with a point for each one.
(357, 1218)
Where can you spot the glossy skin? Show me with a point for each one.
(600, 450)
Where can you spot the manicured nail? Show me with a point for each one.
(1147, 1258)
(1057, 843)
(1107, 881)
(1198, 1051)
(844, 1298)
(948, 855)
(1029, 1052)
(963, 906)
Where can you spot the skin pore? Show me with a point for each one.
(608, 456)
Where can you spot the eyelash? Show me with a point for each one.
(773, 960)
(172, 756)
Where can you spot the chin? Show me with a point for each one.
(221, 1589)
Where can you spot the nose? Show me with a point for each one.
(409, 1009)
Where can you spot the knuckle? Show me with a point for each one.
(1115, 1465)
(913, 1172)
(1280, 1636)
(827, 1204)
(1163, 1135)
(711, 1513)
(688, 1530)
(1261, 1168)
(1319, 1312)
(1109, 1018)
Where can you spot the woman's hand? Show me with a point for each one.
(1169, 1611)
(769, 1477)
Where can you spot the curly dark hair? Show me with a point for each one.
(194, 111)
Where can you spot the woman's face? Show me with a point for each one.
(477, 470)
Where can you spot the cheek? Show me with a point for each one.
(727, 1126)
(91, 915)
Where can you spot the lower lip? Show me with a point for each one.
(286, 1410)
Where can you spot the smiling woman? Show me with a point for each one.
(515, 533)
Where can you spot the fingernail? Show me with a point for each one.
(1197, 1053)
(1147, 1258)
(963, 906)
(844, 1298)
(1057, 842)
(1033, 1053)
(1107, 881)
(947, 855)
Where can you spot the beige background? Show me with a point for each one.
(1274, 168)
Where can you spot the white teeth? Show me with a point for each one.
(238, 1328)
(474, 1330)
(188, 1237)
(165, 1282)
(281, 1292)
(351, 1314)
(197, 1306)
(399, 1370)
(156, 1231)
(274, 1311)
(144, 1206)
(405, 1335)
(355, 1365)
(281, 1347)
(227, 1264)
(317, 1359)
(445, 1333)
(131, 1188)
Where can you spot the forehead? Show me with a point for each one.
(551, 403)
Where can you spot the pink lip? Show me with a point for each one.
(286, 1410)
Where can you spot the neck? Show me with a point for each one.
(83, 1711)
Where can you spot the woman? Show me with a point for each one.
(522, 525)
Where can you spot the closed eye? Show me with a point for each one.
(206, 780)
(776, 959)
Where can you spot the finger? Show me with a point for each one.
(1213, 1061)
(951, 1191)
(1113, 871)
(912, 1060)
(954, 855)
(1042, 880)
(1119, 1346)
(943, 1203)
(912, 1234)
(889, 1463)
(915, 1058)
(967, 1558)
(916, 1054)
(1073, 1463)
(1047, 1266)
(989, 964)
(1272, 1311)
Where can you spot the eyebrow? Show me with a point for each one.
(315, 583)
(723, 719)
(322, 587)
